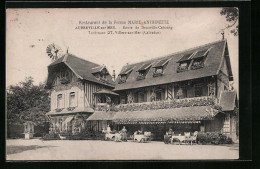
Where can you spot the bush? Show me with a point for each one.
(213, 138)
(51, 136)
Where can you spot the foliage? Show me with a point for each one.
(27, 102)
(213, 138)
(84, 135)
(175, 103)
(231, 14)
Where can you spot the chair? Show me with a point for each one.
(193, 138)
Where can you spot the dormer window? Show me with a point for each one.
(184, 62)
(101, 73)
(124, 75)
(199, 59)
(143, 71)
(183, 66)
(159, 67)
(192, 61)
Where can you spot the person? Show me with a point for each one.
(139, 132)
(168, 136)
(108, 129)
(103, 130)
(124, 134)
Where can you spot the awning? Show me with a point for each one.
(102, 115)
(68, 119)
(104, 91)
(194, 113)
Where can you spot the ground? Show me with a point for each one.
(36, 149)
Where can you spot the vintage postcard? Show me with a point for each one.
(122, 84)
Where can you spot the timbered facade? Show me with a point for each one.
(182, 91)
(73, 83)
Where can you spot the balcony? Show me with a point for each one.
(166, 104)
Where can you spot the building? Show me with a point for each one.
(76, 87)
(185, 91)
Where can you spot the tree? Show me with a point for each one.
(27, 102)
(231, 14)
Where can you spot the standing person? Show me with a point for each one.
(124, 134)
(108, 129)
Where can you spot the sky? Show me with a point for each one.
(30, 31)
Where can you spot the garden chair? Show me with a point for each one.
(193, 138)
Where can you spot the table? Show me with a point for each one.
(139, 137)
(109, 136)
(181, 138)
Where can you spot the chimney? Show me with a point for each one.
(114, 75)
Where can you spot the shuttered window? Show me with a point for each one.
(59, 101)
(72, 100)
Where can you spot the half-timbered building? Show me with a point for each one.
(76, 87)
(187, 91)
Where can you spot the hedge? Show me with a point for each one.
(213, 138)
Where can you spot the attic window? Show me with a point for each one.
(143, 71)
(183, 66)
(124, 75)
(159, 67)
(101, 74)
(199, 59)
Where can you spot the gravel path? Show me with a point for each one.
(109, 150)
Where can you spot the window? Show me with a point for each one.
(159, 67)
(158, 95)
(183, 66)
(143, 71)
(124, 74)
(72, 99)
(59, 101)
(122, 79)
(198, 91)
(140, 97)
(226, 127)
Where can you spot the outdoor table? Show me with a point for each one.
(139, 137)
(109, 136)
(181, 138)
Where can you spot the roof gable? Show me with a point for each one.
(80, 67)
(211, 66)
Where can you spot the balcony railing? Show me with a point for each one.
(164, 104)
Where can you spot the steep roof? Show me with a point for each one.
(83, 69)
(211, 67)
(228, 100)
(102, 115)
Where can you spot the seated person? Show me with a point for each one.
(168, 135)
(139, 132)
